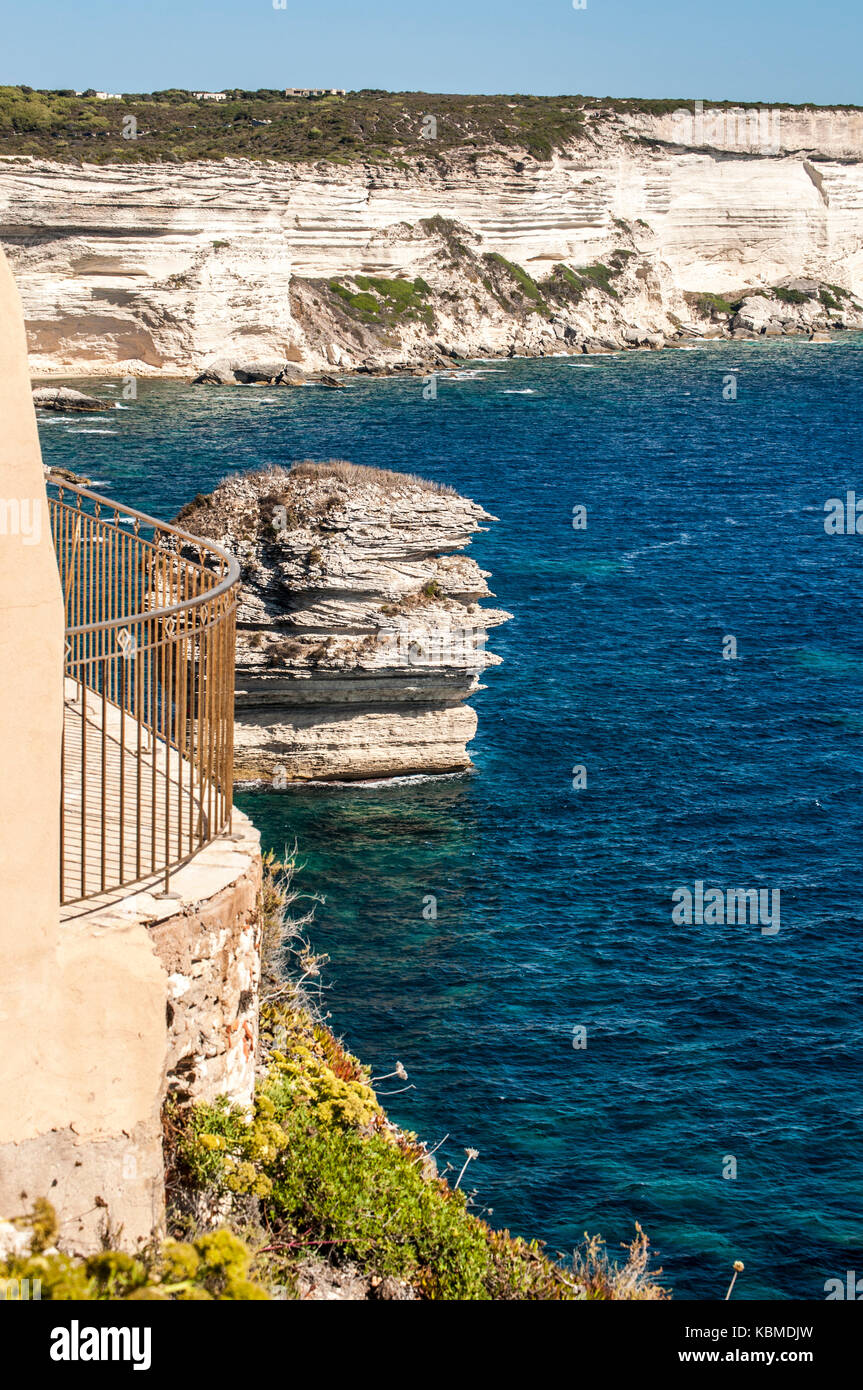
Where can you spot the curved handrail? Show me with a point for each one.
(200, 543)
(149, 692)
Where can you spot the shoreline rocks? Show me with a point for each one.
(627, 305)
(360, 630)
(63, 398)
(231, 372)
(226, 372)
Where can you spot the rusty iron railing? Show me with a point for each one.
(149, 693)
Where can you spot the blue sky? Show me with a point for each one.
(744, 50)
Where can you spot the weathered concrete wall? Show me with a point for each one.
(82, 1014)
(31, 708)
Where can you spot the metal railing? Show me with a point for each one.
(148, 725)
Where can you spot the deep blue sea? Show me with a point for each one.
(705, 1042)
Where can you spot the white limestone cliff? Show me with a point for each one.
(161, 268)
(360, 632)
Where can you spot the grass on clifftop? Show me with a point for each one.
(360, 475)
(259, 507)
(247, 499)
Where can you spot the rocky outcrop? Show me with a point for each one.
(237, 373)
(63, 398)
(471, 302)
(477, 304)
(167, 269)
(228, 372)
(360, 628)
(797, 306)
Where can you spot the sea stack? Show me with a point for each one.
(360, 632)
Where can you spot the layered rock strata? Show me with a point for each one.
(360, 632)
(169, 268)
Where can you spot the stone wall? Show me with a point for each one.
(154, 996)
(212, 956)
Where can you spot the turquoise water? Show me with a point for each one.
(705, 520)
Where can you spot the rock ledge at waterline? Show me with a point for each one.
(360, 632)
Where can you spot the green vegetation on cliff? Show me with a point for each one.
(264, 124)
(526, 285)
(708, 304)
(383, 302)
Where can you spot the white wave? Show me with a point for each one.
(361, 784)
(410, 780)
(683, 539)
(527, 391)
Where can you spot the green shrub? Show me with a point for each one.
(563, 285)
(707, 303)
(600, 276)
(385, 302)
(528, 287)
(213, 1266)
(362, 126)
(446, 229)
(334, 1176)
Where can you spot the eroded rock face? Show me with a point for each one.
(360, 628)
(800, 306)
(168, 269)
